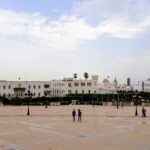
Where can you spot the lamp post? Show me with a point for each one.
(93, 100)
(113, 98)
(46, 104)
(29, 95)
(102, 99)
(136, 112)
(136, 95)
(46, 100)
(118, 101)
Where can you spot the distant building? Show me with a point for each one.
(137, 87)
(146, 85)
(142, 86)
(112, 87)
(128, 82)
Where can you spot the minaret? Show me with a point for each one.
(115, 82)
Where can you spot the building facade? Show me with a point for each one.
(53, 88)
(112, 87)
(145, 85)
(60, 88)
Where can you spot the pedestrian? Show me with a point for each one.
(74, 115)
(79, 115)
(143, 112)
(122, 104)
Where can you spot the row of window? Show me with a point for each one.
(82, 84)
(19, 94)
(58, 91)
(23, 95)
(34, 86)
(76, 92)
(4, 87)
(58, 84)
(34, 94)
(39, 86)
(48, 86)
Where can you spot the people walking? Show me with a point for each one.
(143, 112)
(79, 115)
(74, 115)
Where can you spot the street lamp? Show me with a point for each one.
(136, 95)
(93, 100)
(118, 101)
(29, 95)
(46, 104)
(46, 100)
(102, 99)
(136, 112)
(113, 98)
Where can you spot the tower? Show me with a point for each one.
(128, 82)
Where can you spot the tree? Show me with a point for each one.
(75, 75)
(86, 75)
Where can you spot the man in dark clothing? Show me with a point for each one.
(74, 115)
(79, 115)
(143, 112)
(122, 104)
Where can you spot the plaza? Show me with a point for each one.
(102, 127)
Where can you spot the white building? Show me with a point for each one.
(79, 86)
(145, 85)
(53, 88)
(112, 87)
(60, 88)
(11, 89)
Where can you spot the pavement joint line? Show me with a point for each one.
(11, 132)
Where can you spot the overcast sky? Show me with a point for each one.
(52, 39)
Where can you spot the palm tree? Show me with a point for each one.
(75, 75)
(86, 75)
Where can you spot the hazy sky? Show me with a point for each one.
(47, 39)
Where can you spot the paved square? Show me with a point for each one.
(102, 128)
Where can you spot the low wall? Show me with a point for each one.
(55, 103)
(146, 104)
(119, 103)
(107, 104)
